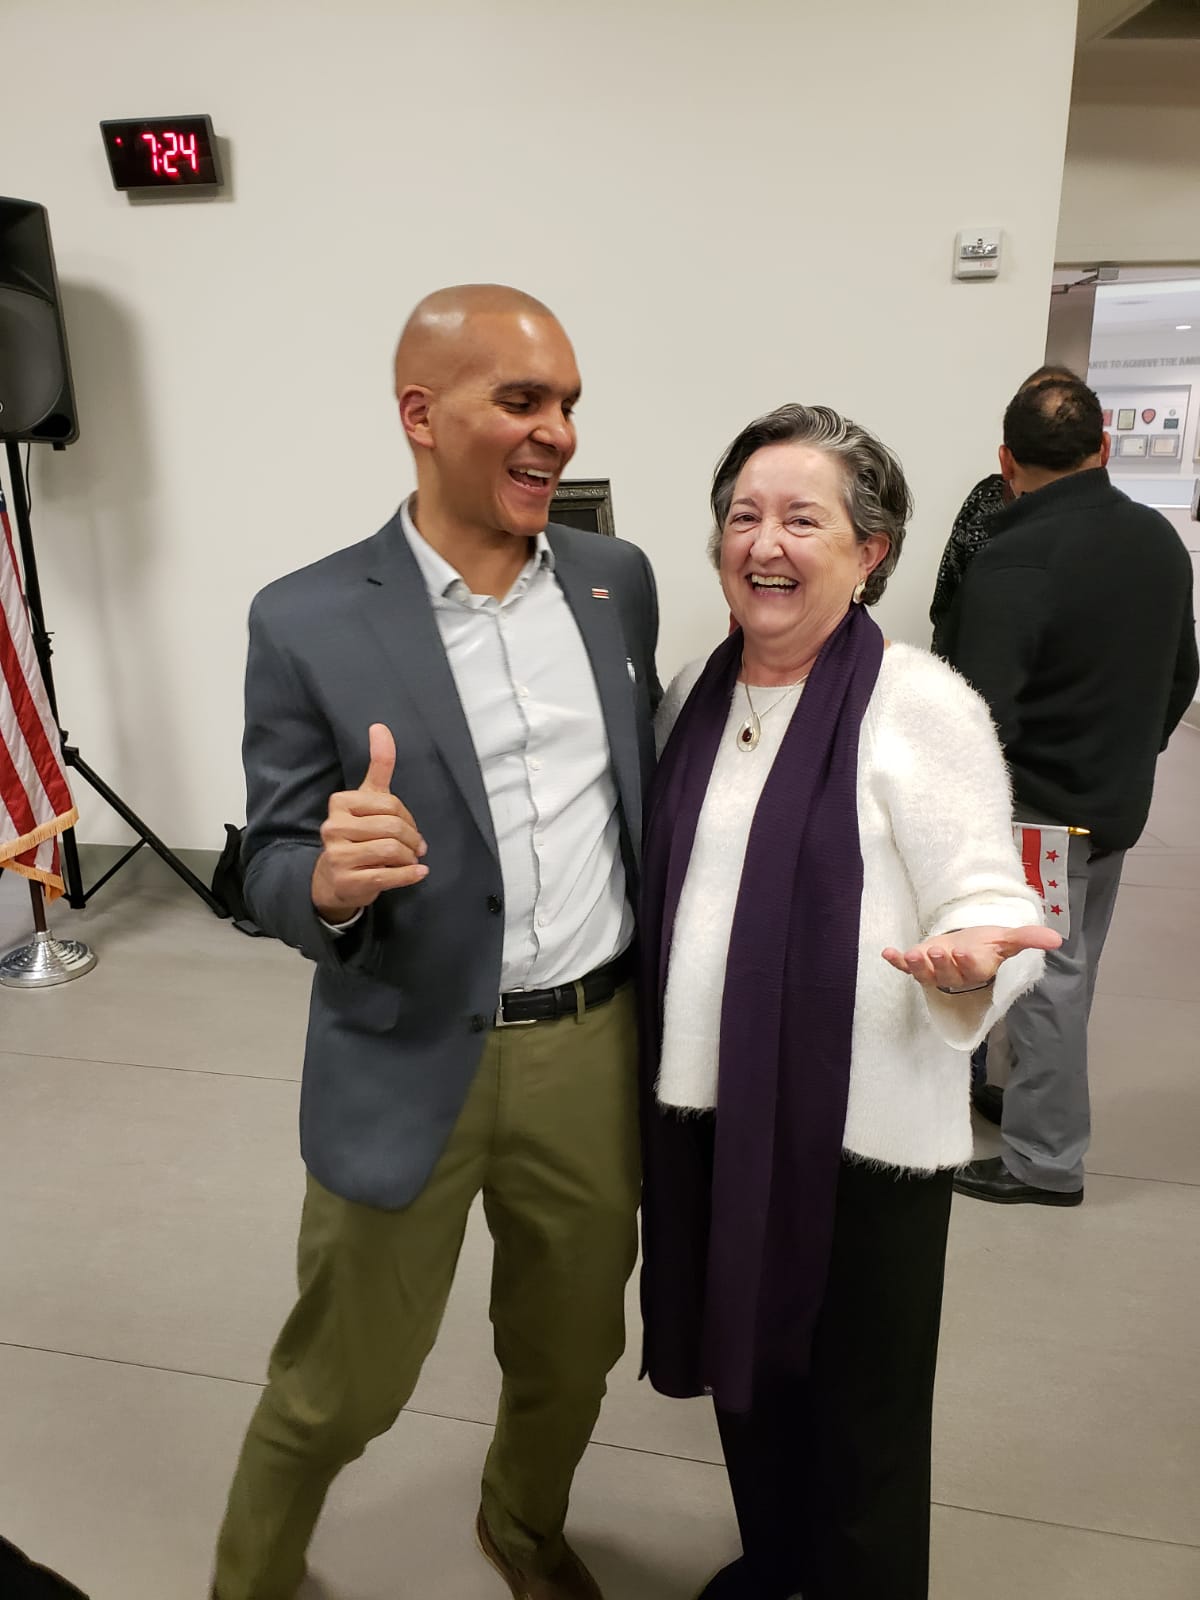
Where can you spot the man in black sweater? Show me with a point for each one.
(1075, 624)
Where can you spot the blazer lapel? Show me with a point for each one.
(397, 605)
(599, 623)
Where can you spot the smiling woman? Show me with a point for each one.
(870, 487)
(805, 1101)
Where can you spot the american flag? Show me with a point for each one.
(35, 800)
(1044, 856)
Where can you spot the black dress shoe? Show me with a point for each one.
(734, 1582)
(991, 1180)
(22, 1579)
(729, 1584)
(988, 1100)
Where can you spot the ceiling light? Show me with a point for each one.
(1183, 327)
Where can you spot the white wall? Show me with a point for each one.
(728, 204)
(1132, 178)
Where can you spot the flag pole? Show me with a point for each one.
(46, 961)
(39, 907)
(77, 895)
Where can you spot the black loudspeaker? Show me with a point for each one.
(36, 399)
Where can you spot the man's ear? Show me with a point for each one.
(1008, 465)
(414, 401)
(1105, 449)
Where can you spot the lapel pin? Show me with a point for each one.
(599, 594)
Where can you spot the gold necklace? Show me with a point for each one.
(750, 731)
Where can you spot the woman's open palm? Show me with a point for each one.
(970, 957)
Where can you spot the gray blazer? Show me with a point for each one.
(401, 1003)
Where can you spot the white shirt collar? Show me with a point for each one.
(440, 577)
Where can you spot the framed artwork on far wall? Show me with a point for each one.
(1133, 444)
(1165, 444)
(584, 503)
(1126, 417)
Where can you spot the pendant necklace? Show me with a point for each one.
(750, 731)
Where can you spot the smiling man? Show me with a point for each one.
(447, 732)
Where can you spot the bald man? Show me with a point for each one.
(448, 728)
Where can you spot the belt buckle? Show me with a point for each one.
(502, 1022)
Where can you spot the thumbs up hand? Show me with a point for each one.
(370, 841)
(383, 760)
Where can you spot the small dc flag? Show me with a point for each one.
(1044, 856)
(599, 594)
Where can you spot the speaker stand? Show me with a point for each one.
(77, 895)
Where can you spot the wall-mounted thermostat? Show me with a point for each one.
(977, 253)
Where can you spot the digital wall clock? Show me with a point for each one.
(162, 152)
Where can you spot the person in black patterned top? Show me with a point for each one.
(973, 528)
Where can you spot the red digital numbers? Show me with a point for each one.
(166, 152)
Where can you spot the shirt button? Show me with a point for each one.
(523, 691)
(478, 1023)
(495, 904)
(535, 764)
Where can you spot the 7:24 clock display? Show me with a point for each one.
(161, 152)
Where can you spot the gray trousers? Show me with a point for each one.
(1047, 1112)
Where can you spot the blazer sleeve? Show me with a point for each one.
(292, 768)
(950, 807)
(650, 610)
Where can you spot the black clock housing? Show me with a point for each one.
(162, 152)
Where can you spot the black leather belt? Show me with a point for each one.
(523, 1007)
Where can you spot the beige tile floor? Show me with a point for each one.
(148, 1195)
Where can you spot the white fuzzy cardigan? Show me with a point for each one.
(935, 826)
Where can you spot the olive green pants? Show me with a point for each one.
(549, 1135)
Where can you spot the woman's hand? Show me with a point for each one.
(969, 958)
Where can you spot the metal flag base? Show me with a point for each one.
(45, 962)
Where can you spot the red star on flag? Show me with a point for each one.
(1051, 855)
(1052, 883)
(1056, 911)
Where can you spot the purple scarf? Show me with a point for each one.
(738, 1225)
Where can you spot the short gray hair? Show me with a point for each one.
(877, 496)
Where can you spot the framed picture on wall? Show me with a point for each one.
(1133, 444)
(1165, 444)
(1126, 417)
(1106, 418)
(584, 503)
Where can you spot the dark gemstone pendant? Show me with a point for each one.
(749, 733)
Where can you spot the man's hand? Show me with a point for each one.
(969, 958)
(371, 842)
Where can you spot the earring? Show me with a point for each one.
(859, 590)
